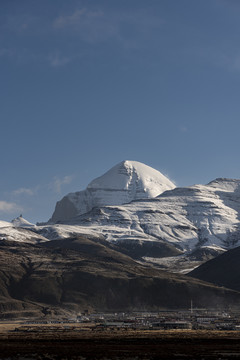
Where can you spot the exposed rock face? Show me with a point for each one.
(75, 274)
(125, 182)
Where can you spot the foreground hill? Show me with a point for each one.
(224, 270)
(70, 275)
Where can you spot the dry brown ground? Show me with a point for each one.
(131, 345)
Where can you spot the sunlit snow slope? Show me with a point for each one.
(125, 182)
(20, 230)
(188, 218)
(197, 221)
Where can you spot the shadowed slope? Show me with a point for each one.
(78, 273)
(223, 270)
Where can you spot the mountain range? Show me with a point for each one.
(140, 210)
(144, 223)
(155, 219)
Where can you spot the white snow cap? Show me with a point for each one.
(21, 222)
(4, 224)
(133, 176)
(125, 182)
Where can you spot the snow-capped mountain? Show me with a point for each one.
(125, 182)
(21, 222)
(194, 223)
(199, 215)
(20, 230)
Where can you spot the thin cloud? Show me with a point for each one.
(56, 60)
(234, 63)
(23, 191)
(129, 30)
(68, 20)
(75, 18)
(98, 26)
(57, 184)
(89, 26)
(6, 52)
(228, 60)
(9, 207)
(183, 129)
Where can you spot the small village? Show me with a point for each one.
(192, 319)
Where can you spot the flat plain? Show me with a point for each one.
(58, 341)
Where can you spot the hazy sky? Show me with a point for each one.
(87, 84)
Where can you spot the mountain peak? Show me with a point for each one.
(135, 177)
(225, 184)
(21, 222)
(123, 183)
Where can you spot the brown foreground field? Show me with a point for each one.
(55, 342)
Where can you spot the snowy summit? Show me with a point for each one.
(21, 222)
(125, 182)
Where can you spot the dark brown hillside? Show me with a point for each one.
(75, 274)
(224, 270)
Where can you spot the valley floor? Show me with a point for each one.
(117, 345)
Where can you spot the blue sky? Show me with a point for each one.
(87, 84)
